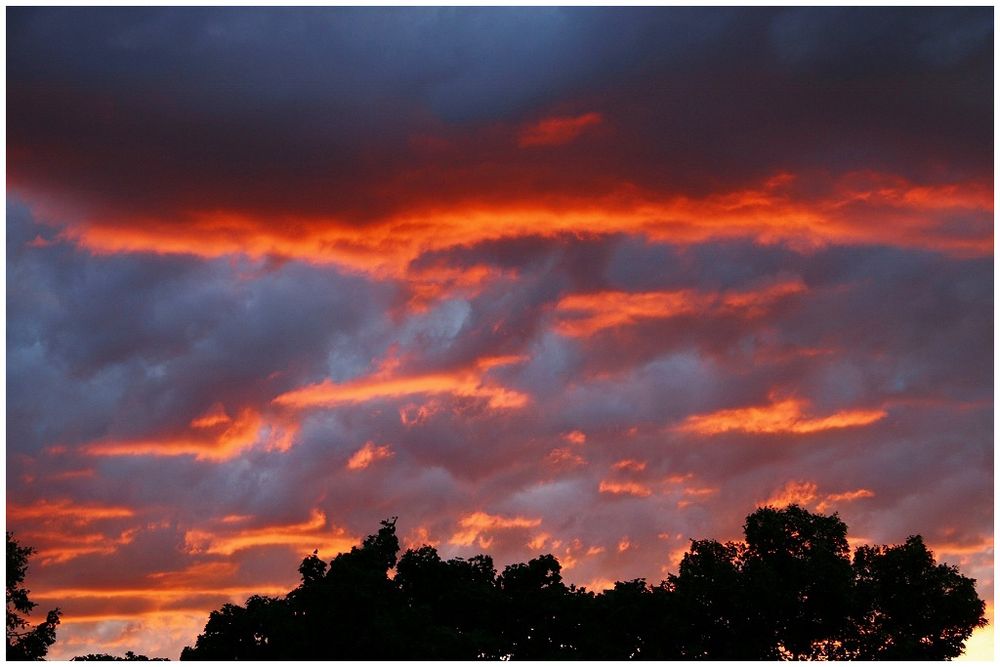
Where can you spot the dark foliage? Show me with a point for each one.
(789, 591)
(23, 641)
(129, 655)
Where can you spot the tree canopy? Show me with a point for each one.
(23, 641)
(790, 590)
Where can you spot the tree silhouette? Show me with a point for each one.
(23, 641)
(129, 656)
(790, 590)
(896, 620)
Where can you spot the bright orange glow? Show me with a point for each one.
(466, 383)
(599, 584)
(473, 527)
(62, 547)
(982, 544)
(807, 494)
(367, 455)
(624, 488)
(66, 509)
(158, 631)
(570, 552)
(557, 130)
(769, 214)
(53, 528)
(538, 541)
(576, 437)
(784, 416)
(755, 302)
(487, 363)
(214, 416)
(845, 497)
(624, 545)
(700, 491)
(412, 414)
(156, 593)
(429, 284)
(584, 314)
(418, 537)
(794, 493)
(980, 645)
(212, 438)
(305, 537)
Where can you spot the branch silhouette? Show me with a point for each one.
(25, 642)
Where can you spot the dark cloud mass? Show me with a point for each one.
(587, 281)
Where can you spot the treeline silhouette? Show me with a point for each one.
(790, 590)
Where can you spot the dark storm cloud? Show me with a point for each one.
(314, 111)
(140, 342)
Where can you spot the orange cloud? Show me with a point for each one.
(574, 552)
(845, 497)
(56, 546)
(575, 437)
(693, 495)
(465, 383)
(584, 314)
(195, 575)
(980, 544)
(214, 416)
(53, 528)
(807, 494)
(213, 436)
(418, 537)
(907, 215)
(794, 493)
(565, 455)
(538, 541)
(156, 593)
(630, 464)
(429, 284)
(784, 416)
(475, 526)
(557, 130)
(599, 584)
(305, 537)
(367, 455)
(624, 488)
(77, 513)
(413, 414)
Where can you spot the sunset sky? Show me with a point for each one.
(581, 281)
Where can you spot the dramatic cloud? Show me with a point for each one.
(785, 416)
(581, 281)
(367, 455)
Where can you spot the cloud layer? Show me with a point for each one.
(587, 281)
